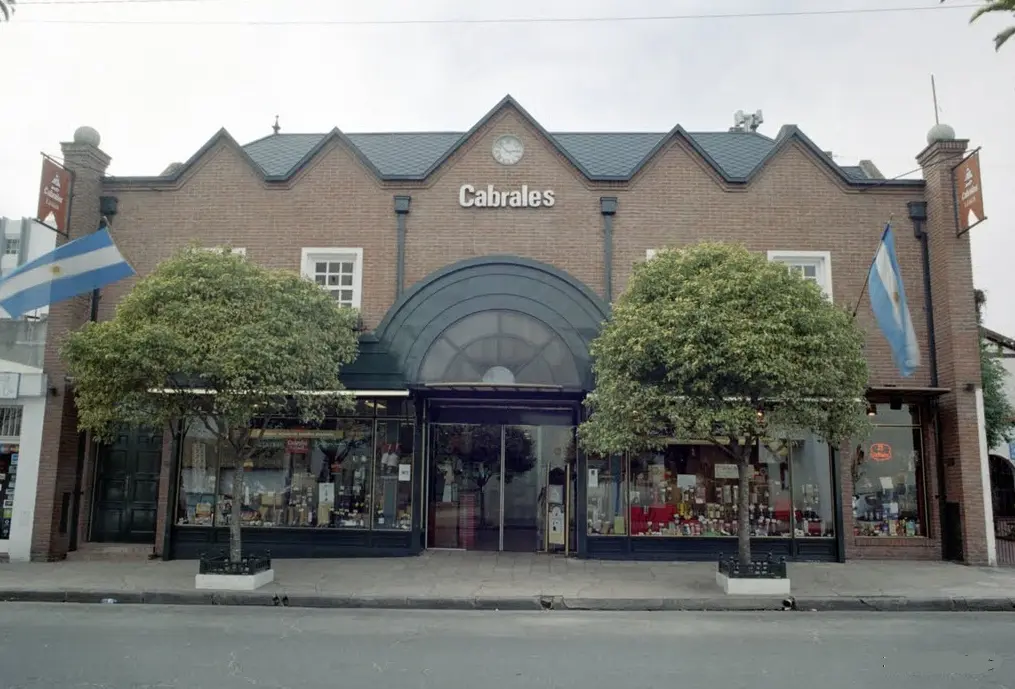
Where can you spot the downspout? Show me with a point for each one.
(918, 214)
(401, 213)
(608, 207)
(173, 492)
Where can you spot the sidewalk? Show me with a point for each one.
(511, 581)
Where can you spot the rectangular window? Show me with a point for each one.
(813, 499)
(8, 475)
(812, 265)
(607, 496)
(889, 489)
(340, 473)
(13, 246)
(393, 475)
(690, 489)
(340, 271)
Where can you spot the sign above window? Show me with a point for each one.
(490, 197)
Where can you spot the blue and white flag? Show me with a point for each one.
(891, 310)
(77, 267)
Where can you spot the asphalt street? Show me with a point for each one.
(131, 647)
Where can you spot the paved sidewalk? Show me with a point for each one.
(509, 581)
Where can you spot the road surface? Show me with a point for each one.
(69, 646)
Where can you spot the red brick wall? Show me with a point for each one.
(958, 341)
(58, 457)
(794, 204)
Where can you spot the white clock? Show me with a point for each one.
(508, 149)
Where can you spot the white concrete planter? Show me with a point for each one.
(749, 586)
(234, 582)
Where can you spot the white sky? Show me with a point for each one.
(858, 85)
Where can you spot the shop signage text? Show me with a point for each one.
(471, 197)
(968, 193)
(54, 196)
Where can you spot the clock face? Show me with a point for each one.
(508, 149)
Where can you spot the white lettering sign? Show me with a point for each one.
(470, 197)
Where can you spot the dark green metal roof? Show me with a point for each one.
(603, 154)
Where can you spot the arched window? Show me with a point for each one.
(500, 347)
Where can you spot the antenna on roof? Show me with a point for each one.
(743, 122)
(276, 127)
(933, 93)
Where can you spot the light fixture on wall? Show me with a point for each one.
(872, 409)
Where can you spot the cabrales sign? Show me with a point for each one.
(471, 197)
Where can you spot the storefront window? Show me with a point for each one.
(607, 496)
(771, 502)
(198, 478)
(342, 473)
(8, 477)
(888, 477)
(684, 490)
(813, 501)
(693, 490)
(393, 475)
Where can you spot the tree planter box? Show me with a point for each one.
(217, 572)
(759, 578)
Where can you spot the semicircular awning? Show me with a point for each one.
(496, 321)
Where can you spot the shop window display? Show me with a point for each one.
(198, 477)
(393, 476)
(326, 476)
(607, 496)
(693, 490)
(888, 477)
(813, 501)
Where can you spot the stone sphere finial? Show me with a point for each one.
(87, 135)
(940, 132)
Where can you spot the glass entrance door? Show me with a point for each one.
(490, 484)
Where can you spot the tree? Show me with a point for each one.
(716, 343)
(996, 6)
(998, 412)
(212, 338)
(7, 8)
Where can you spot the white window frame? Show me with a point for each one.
(311, 255)
(822, 260)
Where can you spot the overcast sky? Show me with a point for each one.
(857, 84)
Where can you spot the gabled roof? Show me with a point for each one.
(600, 156)
(998, 338)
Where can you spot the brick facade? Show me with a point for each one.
(796, 202)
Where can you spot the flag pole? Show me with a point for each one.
(867, 277)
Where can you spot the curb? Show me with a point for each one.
(519, 603)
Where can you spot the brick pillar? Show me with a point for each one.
(957, 342)
(58, 458)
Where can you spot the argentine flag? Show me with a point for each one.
(891, 310)
(77, 267)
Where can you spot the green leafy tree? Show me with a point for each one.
(7, 8)
(996, 6)
(212, 338)
(714, 342)
(997, 410)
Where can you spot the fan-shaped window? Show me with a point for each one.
(501, 347)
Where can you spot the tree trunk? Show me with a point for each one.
(235, 534)
(743, 511)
